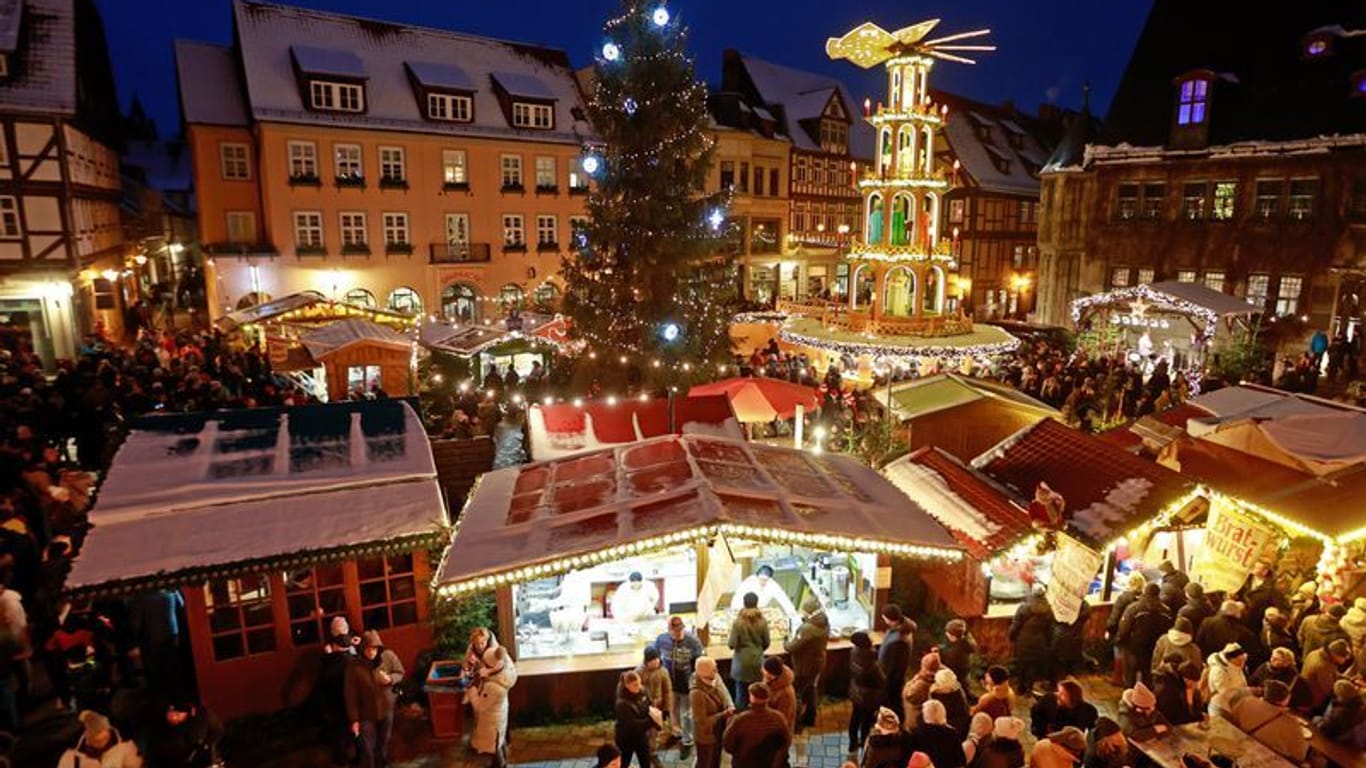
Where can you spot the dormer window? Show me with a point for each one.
(527, 101)
(336, 97)
(334, 79)
(834, 136)
(445, 106)
(445, 91)
(1193, 102)
(525, 115)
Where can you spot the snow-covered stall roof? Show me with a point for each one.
(1169, 295)
(982, 515)
(549, 517)
(931, 394)
(1107, 489)
(190, 495)
(333, 338)
(469, 339)
(563, 429)
(326, 310)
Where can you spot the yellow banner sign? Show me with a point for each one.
(1233, 542)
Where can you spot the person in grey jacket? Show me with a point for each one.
(749, 638)
(808, 660)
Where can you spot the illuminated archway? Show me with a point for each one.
(875, 218)
(903, 218)
(899, 293)
(460, 301)
(933, 295)
(865, 284)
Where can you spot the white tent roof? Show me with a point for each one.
(192, 492)
(1198, 293)
(344, 333)
(1320, 437)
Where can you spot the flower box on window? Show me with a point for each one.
(456, 186)
(513, 188)
(514, 247)
(310, 250)
(549, 247)
(403, 248)
(351, 181)
(393, 182)
(305, 180)
(579, 190)
(547, 189)
(356, 249)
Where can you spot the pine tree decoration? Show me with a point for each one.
(646, 282)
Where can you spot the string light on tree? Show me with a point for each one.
(611, 52)
(591, 164)
(629, 105)
(660, 17)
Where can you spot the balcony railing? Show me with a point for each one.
(459, 253)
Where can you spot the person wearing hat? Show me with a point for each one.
(1106, 746)
(1259, 592)
(867, 689)
(1226, 679)
(712, 708)
(100, 746)
(1275, 634)
(887, 746)
(1004, 750)
(749, 639)
(1282, 666)
(1303, 604)
(658, 687)
(1323, 628)
(387, 670)
(1198, 606)
(1171, 575)
(495, 677)
(1345, 716)
(1178, 640)
(958, 649)
(608, 756)
(946, 690)
(781, 697)
(1225, 628)
(635, 600)
(1321, 670)
(894, 654)
(1138, 714)
(1354, 624)
(979, 736)
(1060, 749)
(1133, 589)
(1144, 622)
(1178, 691)
(679, 651)
(808, 647)
(1265, 719)
(916, 691)
(936, 737)
(758, 736)
(999, 699)
(769, 592)
(186, 735)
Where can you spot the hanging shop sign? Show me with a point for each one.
(1074, 567)
(1140, 321)
(1233, 542)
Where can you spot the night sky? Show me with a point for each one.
(1046, 48)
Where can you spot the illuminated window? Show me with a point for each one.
(315, 595)
(241, 620)
(1126, 202)
(405, 300)
(361, 298)
(1267, 202)
(532, 115)
(303, 160)
(1145, 276)
(348, 161)
(1258, 286)
(512, 295)
(1192, 106)
(241, 225)
(1119, 277)
(1185, 276)
(1302, 198)
(362, 378)
(513, 231)
(545, 173)
(1214, 281)
(1288, 295)
(1193, 201)
(453, 168)
(308, 229)
(1154, 196)
(353, 229)
(1225, 200)
(547, 231)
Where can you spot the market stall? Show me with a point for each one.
(1179, 323)
(515, 342)
(269, 522)
(589, 555)
(359, 356)
(561, 429)
(963, 415)
(306, 309)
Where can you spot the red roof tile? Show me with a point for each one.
(983, 495)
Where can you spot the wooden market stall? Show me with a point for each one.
(560, 429)
(269, 522)
(962, 415)
(359, 355)
(695, 517)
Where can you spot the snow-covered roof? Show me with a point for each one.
(237, 490)
(1200, 294)
(43, 78)
(804, 96)
(266, 33)
(434, 74)
(981, 158)
(671, 490)
(324, 341)
(270, 309)
(982, 515)
(317, 60)
(931, 394)
(11, 14)
(199, 64)
(564, 429)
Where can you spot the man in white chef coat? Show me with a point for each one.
(635, 599)
(762, 584)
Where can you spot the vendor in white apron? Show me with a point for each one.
(634, 600)
(762, 584)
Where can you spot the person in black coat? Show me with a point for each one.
(1143, 622)
(936, 738)
(184, 737)
(1069, 644)
(1198, 606)
(1178, 691)
(1259, 592)
(1225, 627)
(866, 688)
(1031, 637)
(636, 721)
(1063, 707)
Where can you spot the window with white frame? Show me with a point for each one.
(512, 170)
(1267, 201)
(577, 180)
(337, 97)
(1145, 276)
(546, 230)
(241, 226)
(545, 172)
(348, 161)
(1302, 198)
(1193, 201)
(353, 229)
(513, 232)
(1214, 280)
(453, 168)
(526, 115)
(1193, 101)
(396, 229)
(391, 166)
(1185, 275)
(445, 106)
(1119, 277)
(1258, 286)
(9, 216)
(308, 229)
(1288, 295)
(303, 160)
(235, 160)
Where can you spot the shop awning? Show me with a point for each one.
(1107, 489)
(196, 496)
(563, 429)
(760, 399)
(982, 515)
(546, 518)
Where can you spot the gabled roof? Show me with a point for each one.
(1265, 87)
(330, 339)
(43, 79)
(982, 515)
(801, 97)
(1070, 151)
(384, 51)
(1106, 488)
(210, 85)
(11, 16)
(978, 157)
(931, 394)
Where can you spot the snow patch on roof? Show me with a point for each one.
(438, 75)
(11, 15)
(210, 87)
(43, 80)
(527, 86)
(316, 60)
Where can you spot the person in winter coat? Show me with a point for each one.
(1139, 717)
(657, 683)
(637, 719)
(758, 736)
(1345, 720)
(887, 746)
(712, 708)
(1321, 629)
(937, 738)
(100, 746)
(1178, 691)
(1106, 746)
(782, 697)
(867, 689)
(1069, 644)
(387, 670)
(679, 651)
(979, 736)
(1178, 640)
(1281, 666)
(1303, 604)
(1265, 719)
(1224, 629)
(1197, 608)
(894, 655)
(1321, 670)
(1065, 706)
(947, 691)
(1275, 634)
(917, 690)
(958, 649)
(1259, 592)
(1143, 623)
(489, 699)
(366, 706)
(808, 647)
(999, 699)
(1005, 749)
(1354, 624)
(1133, 589)
(1060, 749)
(749, 639)
(1224, 678)
(184, 737)
(1031, 638)
(1172, 576)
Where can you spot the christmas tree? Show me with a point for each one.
(646, 283)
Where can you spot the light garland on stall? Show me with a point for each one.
(976, 352)
(1162, 302)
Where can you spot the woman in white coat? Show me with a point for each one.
(489, 699)
(100, 746)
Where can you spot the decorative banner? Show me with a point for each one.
(1233, 542)
(1074, 567)
(723, 575)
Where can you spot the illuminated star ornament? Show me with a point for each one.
(868, 45)
(1139, 308)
